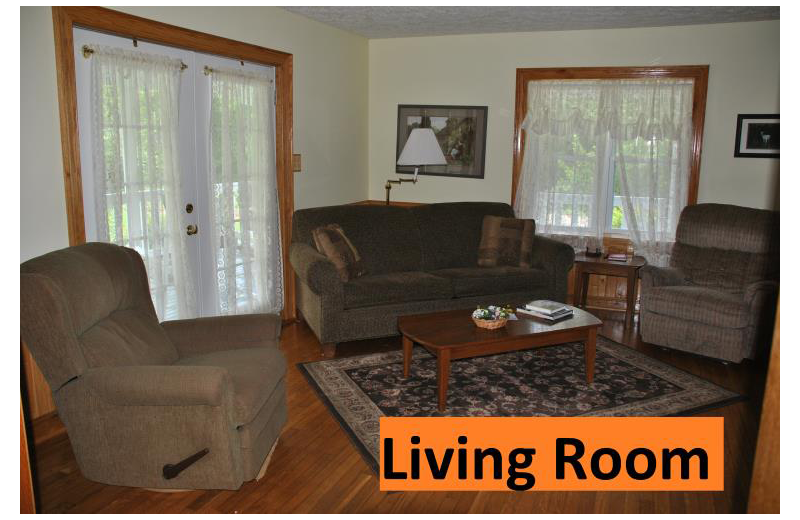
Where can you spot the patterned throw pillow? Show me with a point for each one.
(331, 241)
(506, 241)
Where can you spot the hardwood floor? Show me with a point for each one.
(315, 468)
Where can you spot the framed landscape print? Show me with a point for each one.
(758, 135)
(460, 131)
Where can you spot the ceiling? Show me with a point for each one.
(398, 22)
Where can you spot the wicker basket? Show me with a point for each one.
(490, 324)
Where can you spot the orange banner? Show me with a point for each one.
(551, 454)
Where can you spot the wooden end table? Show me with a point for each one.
(453, 335)
(588, 265)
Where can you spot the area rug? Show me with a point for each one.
(541, 382)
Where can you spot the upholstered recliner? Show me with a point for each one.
(143, 401)
(719, 294)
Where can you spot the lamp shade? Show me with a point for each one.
(421, 148)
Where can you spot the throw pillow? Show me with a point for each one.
(331, 241)
(506, 242)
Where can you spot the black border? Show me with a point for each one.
(404, 169)
(739, 120)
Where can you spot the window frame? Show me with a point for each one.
(699, 73)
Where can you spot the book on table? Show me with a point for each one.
(545, 317)
(548, 308)
(617, 257)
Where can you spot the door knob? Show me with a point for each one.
(191, 229)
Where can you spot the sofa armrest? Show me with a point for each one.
(652, 276)
(315, 270)
(160, 385)
(556, 258)
(552, 255)
(202, 335)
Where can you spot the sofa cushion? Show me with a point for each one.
(474, 281)
(331, 241)
(255, 373)
(451, 232)
(506, 241)
(395, 288)
(699, 304)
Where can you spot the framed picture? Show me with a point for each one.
(758, 135)
(460, 130)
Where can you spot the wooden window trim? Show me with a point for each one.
(699, 73)
(129, 26)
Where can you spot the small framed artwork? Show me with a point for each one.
(758, 135)
(460, 131)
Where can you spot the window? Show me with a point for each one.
(600, 155)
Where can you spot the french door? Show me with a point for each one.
(217, 264)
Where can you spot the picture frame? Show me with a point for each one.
(460, 130)
(758, 135)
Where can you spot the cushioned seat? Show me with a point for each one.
(138, 396)
(254, 372)
(698, 304)
(475, 281)
(718, 295)
(402, 248)
(407, 286)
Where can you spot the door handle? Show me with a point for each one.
(191, 229)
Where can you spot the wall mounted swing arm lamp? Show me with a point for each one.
(420, 149)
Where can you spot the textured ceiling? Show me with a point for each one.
(397, 22)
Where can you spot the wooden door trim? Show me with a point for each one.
(699, 73)
(130, 26)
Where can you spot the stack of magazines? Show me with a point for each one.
(547, 310)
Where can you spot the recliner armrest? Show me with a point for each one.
(652, 276)
(160, 385)
(202, 335)
(315, 270)
(760, 293)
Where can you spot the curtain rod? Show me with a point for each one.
(208, 71)
(88, 51)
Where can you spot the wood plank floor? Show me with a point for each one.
(315, 468)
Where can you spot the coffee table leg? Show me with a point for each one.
(408, 346)
(589, 350)
(443, 375)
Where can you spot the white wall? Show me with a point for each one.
(330, 108)
(744, 70)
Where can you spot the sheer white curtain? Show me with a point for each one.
(245, 217)
(134, 99)
(607, 156)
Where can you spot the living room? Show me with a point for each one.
(344, 97)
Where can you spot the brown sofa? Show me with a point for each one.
(718, 296)
(418, 259)
(136, 395)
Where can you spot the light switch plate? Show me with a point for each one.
(296, 164)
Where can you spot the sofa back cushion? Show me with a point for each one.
(727, 247)
(386, 237)
(87, 306)
(451, 232)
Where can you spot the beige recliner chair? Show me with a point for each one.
(718, 296)
(190, 404)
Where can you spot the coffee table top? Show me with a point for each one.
(456, 328)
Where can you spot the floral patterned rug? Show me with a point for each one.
(545, 382)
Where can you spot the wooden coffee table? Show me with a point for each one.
(453, 335)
